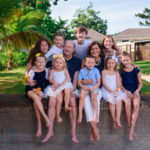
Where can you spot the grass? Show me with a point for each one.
(144, 65)
(11, 82)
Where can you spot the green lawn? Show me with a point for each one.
(144, 65)
(11, 82)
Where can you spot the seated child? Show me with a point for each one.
(60, 80)
(89, 72)
(39, 74)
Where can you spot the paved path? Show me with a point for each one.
(146, 77)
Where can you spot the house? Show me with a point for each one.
(95, 36)
(136, 41)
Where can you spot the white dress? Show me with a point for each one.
(111, 82)
(58, 77)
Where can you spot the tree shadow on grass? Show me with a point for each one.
(11, 74)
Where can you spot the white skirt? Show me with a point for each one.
(49, 92)
(113, 99)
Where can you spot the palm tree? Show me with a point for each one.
(19, 26)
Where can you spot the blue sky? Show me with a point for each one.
(120, 14)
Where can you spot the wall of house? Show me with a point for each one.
(142, 51)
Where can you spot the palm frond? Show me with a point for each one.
(7, 9)
(21, 39)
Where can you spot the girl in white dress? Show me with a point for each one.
(60, 80)
(111, 90)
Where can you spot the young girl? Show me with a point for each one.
(60, 80)
(109, 48)
(111, 90)
(132, 84)
(42, 46)
(39, 74)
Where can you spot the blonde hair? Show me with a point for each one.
(59, 57)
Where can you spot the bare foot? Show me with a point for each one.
(68, 108)
(92, 138)
(48, 123)
(134, 135)
(131, 137)
(115, 126)
(39, 132)
(118, 124)
(75, 139)
(79, 119)
(96, 133)
(59, 119)
(47, 137)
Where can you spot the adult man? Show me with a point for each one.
(73, 65)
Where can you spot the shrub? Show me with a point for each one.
(19, 59)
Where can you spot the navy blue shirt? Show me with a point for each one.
(130, 80)
(73, 65)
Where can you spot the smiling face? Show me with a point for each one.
(40, 62)
(108, 43)
(59, 41)
(68, 48)
(59, 63)
(126, 61)
(111, 64)
(95, 51)
(89, 63)
(81, 36)
(44, 47)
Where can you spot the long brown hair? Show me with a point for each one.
(36, 50)
(121, 64)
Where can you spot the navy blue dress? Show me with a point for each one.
(40, 78)
(130, 80)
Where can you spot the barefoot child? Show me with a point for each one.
(111, 90)
(60, 80)
(89, 72)
(39, 74)
(132, 84)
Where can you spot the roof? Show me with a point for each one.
(94, 35)
(133, 34)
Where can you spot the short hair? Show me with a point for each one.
(58, 34)
(81, 29)
(89, 56)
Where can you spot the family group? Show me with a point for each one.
(82, 70)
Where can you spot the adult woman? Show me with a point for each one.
(94, 49)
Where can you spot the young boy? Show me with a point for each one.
(81, 44)
(89, 72)
(57, 48)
